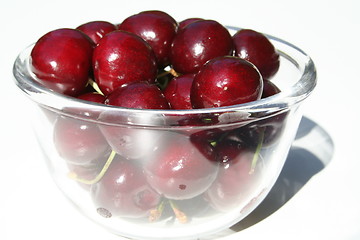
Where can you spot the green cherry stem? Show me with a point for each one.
(181, 216)
(156, 213)
(95, 86)
(73, 175)
(257, 152)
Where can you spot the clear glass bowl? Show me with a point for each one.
(151, 174)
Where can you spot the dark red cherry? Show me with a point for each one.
(123, 191)
(226, 81)
(235, 178)
(92, 97)
(162, 14)
(141, 95)
(61, 60)
(228, 150)
(197, 43)
(78, 142)
(269, 89)
(97, 29)
(178, 170)
(177, 91)
(156, 29)
(85, 174)
(132, 143)
(121, 58)
(256, 48)
(265, 131)
(187, 21)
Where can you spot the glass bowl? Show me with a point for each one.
(169, 174)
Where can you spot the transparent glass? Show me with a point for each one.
(169, 174)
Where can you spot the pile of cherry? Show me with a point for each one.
(151, 61)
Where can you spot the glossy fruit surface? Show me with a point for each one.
(187, 21)
(179, 171)
(177, 91)
(156, 29)
(256, 48)
(269, 89)
(121, 58)
(97, 29)
(77, 141)
(123, 191)
(197, 43)
(92, 97)
(61, 60)
(226, 81)
(141, 95)
(235, 177)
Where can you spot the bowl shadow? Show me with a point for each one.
(306, 159)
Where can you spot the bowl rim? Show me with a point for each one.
(293, 95)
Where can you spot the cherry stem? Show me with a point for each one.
(73, 175)
(171, 71)
(95, 86)
(156, 213)
(257, 153)
(181, 216)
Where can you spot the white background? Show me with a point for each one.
(326, 205)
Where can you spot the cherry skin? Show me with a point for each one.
(197, 43)
(121, 58)
(123, 191)
(61, 60)
(235, 178)
(141, 95)
(78, 142)
(84, 174)
(134, 143)
(177, 91)
(256, 48)
(92, 97)
(162, 14)
(156, 29)
(226, 81)
(269, 89)
(97, 29)
(187, 21)
(264, 131)
(178, 170)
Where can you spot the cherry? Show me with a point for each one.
(155, 28)
(265, 131)
(121, 58)
(256, 48)
(269, 89)
(61, 60)
(92, 97)
(197, 43)
(187, 21)
(86, 173)
(226, 81)
(236, 176)
(162, 14)
(178, 170)
(177, 91)
(123, 191)
(134, 143)
(78, 142)
(97, 29)
(141, 95)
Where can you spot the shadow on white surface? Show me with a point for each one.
(311, 152)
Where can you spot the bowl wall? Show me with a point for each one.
(151, 174)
